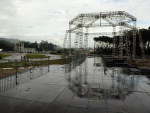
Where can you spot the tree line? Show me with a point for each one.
(42, 46)
(107, 49)
(7, 45)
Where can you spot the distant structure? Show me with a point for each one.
(19, 47)
(119, 21)
(30, 50)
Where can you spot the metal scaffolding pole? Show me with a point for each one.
(141, 44)
(69, 36)
(86, 39)
(65, 39)
(114, 41)
(127, 44)
(120, 39)
(81, 32)
(76, 40)
(134, 41)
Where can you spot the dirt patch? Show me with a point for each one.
(9, 68)
(142, 62)
(8, 72)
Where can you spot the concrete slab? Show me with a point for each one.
(51, 94)
(65, 97)
(52, 108)
(79, 102)
(36, 107)
(115, 106)
(134, 105)
(144, 98)
(97, 106)
(11, 105)
(76, 110)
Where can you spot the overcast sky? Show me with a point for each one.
(36, 20)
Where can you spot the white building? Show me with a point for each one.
(19, 47)
(29, 50)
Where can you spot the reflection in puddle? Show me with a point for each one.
(92, 80)
(87, 78)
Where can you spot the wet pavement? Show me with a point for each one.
(86, 88)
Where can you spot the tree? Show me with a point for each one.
(6, 45)
(107, 50)
(45, 46)
(42, 46)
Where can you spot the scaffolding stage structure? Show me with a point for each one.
(120, 20)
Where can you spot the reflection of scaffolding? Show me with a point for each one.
(113, 85)
(81, 23)
(119, 89)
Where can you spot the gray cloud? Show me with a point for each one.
(48, 19)
(7, 8)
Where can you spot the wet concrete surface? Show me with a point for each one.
(87, 88)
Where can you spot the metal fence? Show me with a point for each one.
(19, 78)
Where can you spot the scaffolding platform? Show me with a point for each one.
(115, 62)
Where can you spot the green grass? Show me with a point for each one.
(5, 55)
(33, 63)
(2, 56)
(6, 65)
(2, 59)
(36, 56)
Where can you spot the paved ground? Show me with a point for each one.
(86, 89)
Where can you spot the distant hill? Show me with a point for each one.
(10, 40)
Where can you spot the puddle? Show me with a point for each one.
(92, 80)
(87, 78)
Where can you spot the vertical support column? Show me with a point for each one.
(86, 39)
(65, 39)
(141, 44)
(127, 44)
(76, 40)
(94, 47)
(120, 38)
(114, 42)
(81, 32)
(127, 47)
(80, 39)
(69, 36)
(134, 41)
